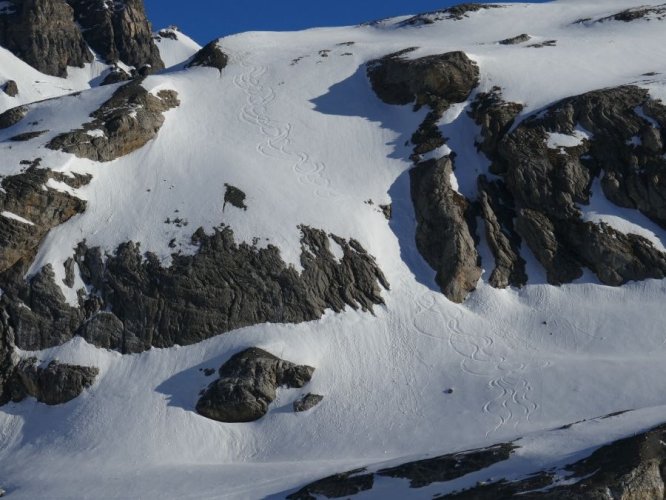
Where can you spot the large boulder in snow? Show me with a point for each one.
(248, 384)
(118, 31)
(10, 88)
(210, 56)
(45, 35)
(123, 124)
(54, 384)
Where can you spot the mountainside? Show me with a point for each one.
(423, 257)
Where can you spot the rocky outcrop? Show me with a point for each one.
(210, 56)
(118, 30)
(54, 384)
(124, 123)
(234, 197)
(516, 40)
(10, 88)
(45, 35)
(247, 385)
(116, 75)
(619, 137)
(445, 222)
(657, 12)
(29, 210)
(134, 303)
(444, 234)
(307, 402)
(498, 215)
(12, 116)
(456, 13)
(420, 473)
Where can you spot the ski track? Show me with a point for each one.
(277, 135)
(479, 358)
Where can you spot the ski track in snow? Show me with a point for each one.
(278, 135)
(478, 358)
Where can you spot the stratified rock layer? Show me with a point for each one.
(118, 30)
(45, 35)
(124, 123)
(247, 385)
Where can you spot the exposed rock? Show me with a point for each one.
(234, 197)
(457, 13)
(116, 75)
(135, 303)
(43, 208)
(420, 473)
(10, 88)
(128, 120)
(541, 45)
(628, 469)
(8, 359)
(504, 242)
(342, 485)
(387, 210)
(307, 402)
(657, 12)
(210, 56)
(12, 116)
(118, 30)
(44, 34)
(435, 81)
(549, 185)
(445, 228)
(170, 33)
(248, 384)
(56, 384)
(495, 116)
(516, 40)
(27, 136)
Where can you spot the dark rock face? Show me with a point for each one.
(658, 12)
(445, 222)
(235, 197)
(248, 384)
(128, 120)
(136, 304)
(210, 56)
(444, 235)
(27, 196)
(118, 30)
(457, 13)
(420, 473)
(27, 136)
(44, 34)
(116, 75)
(548, 185)
(342, 485)
(516, 40)
(56, 384)
(307, 402)
(12, 116)
(10, 88)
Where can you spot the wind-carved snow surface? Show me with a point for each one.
(308, 142)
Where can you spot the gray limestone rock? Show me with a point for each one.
(44, 34)
(12, 116)
(118, 30)
(307, 402)
(248, 384)
(129, 119)
(445, 228)
(10, 88)
(54, 384)
(516, 40)
(210, 56)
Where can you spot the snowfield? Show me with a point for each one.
(293, 122)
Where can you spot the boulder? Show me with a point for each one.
(55, 384)
(10, 88)
(248, 384)
(210, 56)
(307, 402)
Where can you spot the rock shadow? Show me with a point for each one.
(354, 97)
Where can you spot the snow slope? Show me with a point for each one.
(293, 122)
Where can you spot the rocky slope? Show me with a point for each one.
(464, 235)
